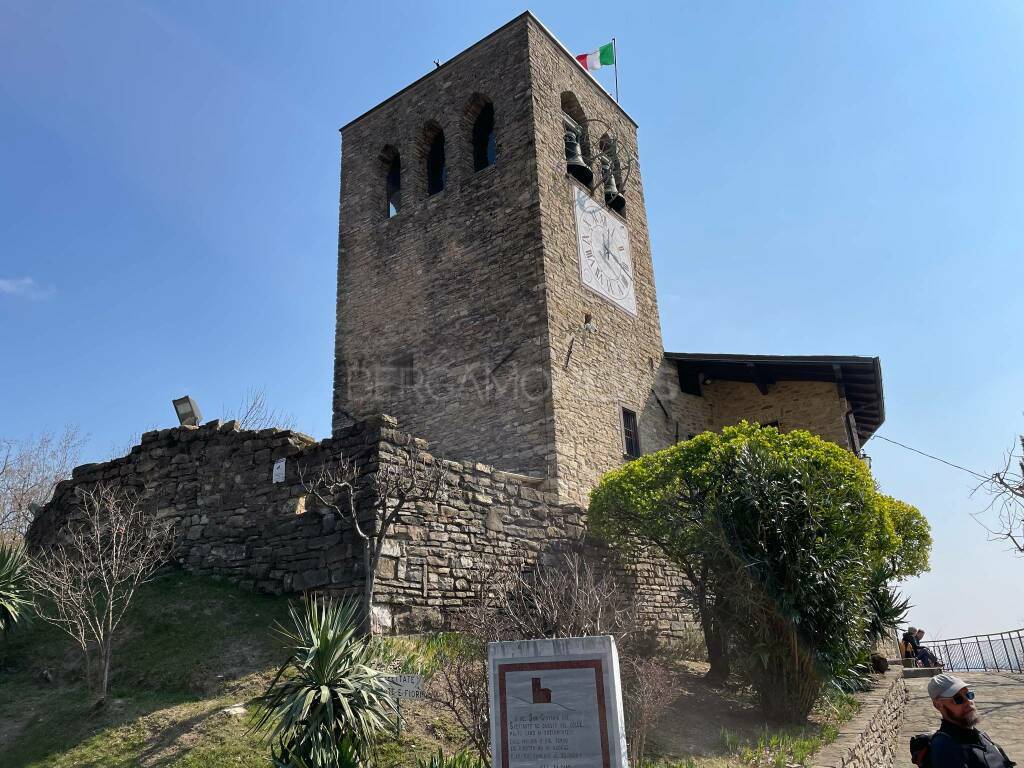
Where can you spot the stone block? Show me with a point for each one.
(494, 521)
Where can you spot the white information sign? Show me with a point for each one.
(556, 704)
(278, 474)
(406, 686)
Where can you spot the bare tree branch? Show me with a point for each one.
(89, 576)
(29, 471)
(254, 413)
(1007, 490)
(393, 489)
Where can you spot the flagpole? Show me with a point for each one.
(615, 53)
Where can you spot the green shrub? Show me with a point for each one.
(14, 601)
(463, 759)
(328, 703)
(780, 537)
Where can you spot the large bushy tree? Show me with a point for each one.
(781, 537)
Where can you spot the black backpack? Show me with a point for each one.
(920, 750)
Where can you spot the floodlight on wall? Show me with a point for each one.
(188, 411)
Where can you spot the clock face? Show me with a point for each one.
(605, 264)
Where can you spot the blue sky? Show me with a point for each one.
(821, 178)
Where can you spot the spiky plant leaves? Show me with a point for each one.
(14, 599)
(328, 702)
(464, 759)
(886, 608)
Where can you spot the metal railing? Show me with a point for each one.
(998, 652)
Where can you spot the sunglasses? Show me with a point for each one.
(960, 698)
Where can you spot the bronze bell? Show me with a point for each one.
(612, 198)
(574, 159)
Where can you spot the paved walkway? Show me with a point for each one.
(1000, 700)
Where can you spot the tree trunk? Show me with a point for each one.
(370, 568)
(107, 653)
(717, 646)
(90, 678)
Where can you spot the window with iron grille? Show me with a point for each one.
(630, 433)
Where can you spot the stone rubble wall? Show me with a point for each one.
(437, 553)
(214, 483)
(871, 737)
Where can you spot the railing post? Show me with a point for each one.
(1002, 637)
(1012, 660)
(1014, 646)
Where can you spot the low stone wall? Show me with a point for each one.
(871, 738)
(215, 482)
(437, 552)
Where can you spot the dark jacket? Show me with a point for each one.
(912, 641)
(956, 747)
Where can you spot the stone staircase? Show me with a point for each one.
(912, 672)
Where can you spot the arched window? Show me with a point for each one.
(571, 107)
(480, 115)
(392, 163)
(577, 143)
(437, 170)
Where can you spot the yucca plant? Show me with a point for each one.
(328, 702)
(14, 601)
(463, 759)
(886, 608)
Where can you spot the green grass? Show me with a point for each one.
(189, 648)
(787, 745)
(193, 646)
(770, 747)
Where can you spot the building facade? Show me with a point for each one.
(499, 302)
(496, 299)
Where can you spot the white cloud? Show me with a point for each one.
(24, 286)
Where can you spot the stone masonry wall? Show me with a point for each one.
(215, 483)
(438, 551)
(671, 415)
(440, 309)
(458, 313)
(871, 737)
(812, 405)
(616, 366)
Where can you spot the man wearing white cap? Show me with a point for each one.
(957, 743)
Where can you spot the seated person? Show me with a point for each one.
(925, 656)
(910, 643)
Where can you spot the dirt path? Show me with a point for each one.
(1000, 700)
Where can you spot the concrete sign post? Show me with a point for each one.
(556, 704)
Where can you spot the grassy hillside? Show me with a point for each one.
(193, 647)
(190, 648)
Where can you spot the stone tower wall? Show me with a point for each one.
(617, 365)
(453, 284)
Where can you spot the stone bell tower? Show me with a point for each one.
(493, 303)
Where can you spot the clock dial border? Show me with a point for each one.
(584, 205)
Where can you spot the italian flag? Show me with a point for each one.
(602, 57)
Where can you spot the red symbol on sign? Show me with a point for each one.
(540, 695)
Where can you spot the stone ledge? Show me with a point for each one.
(869, 739)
